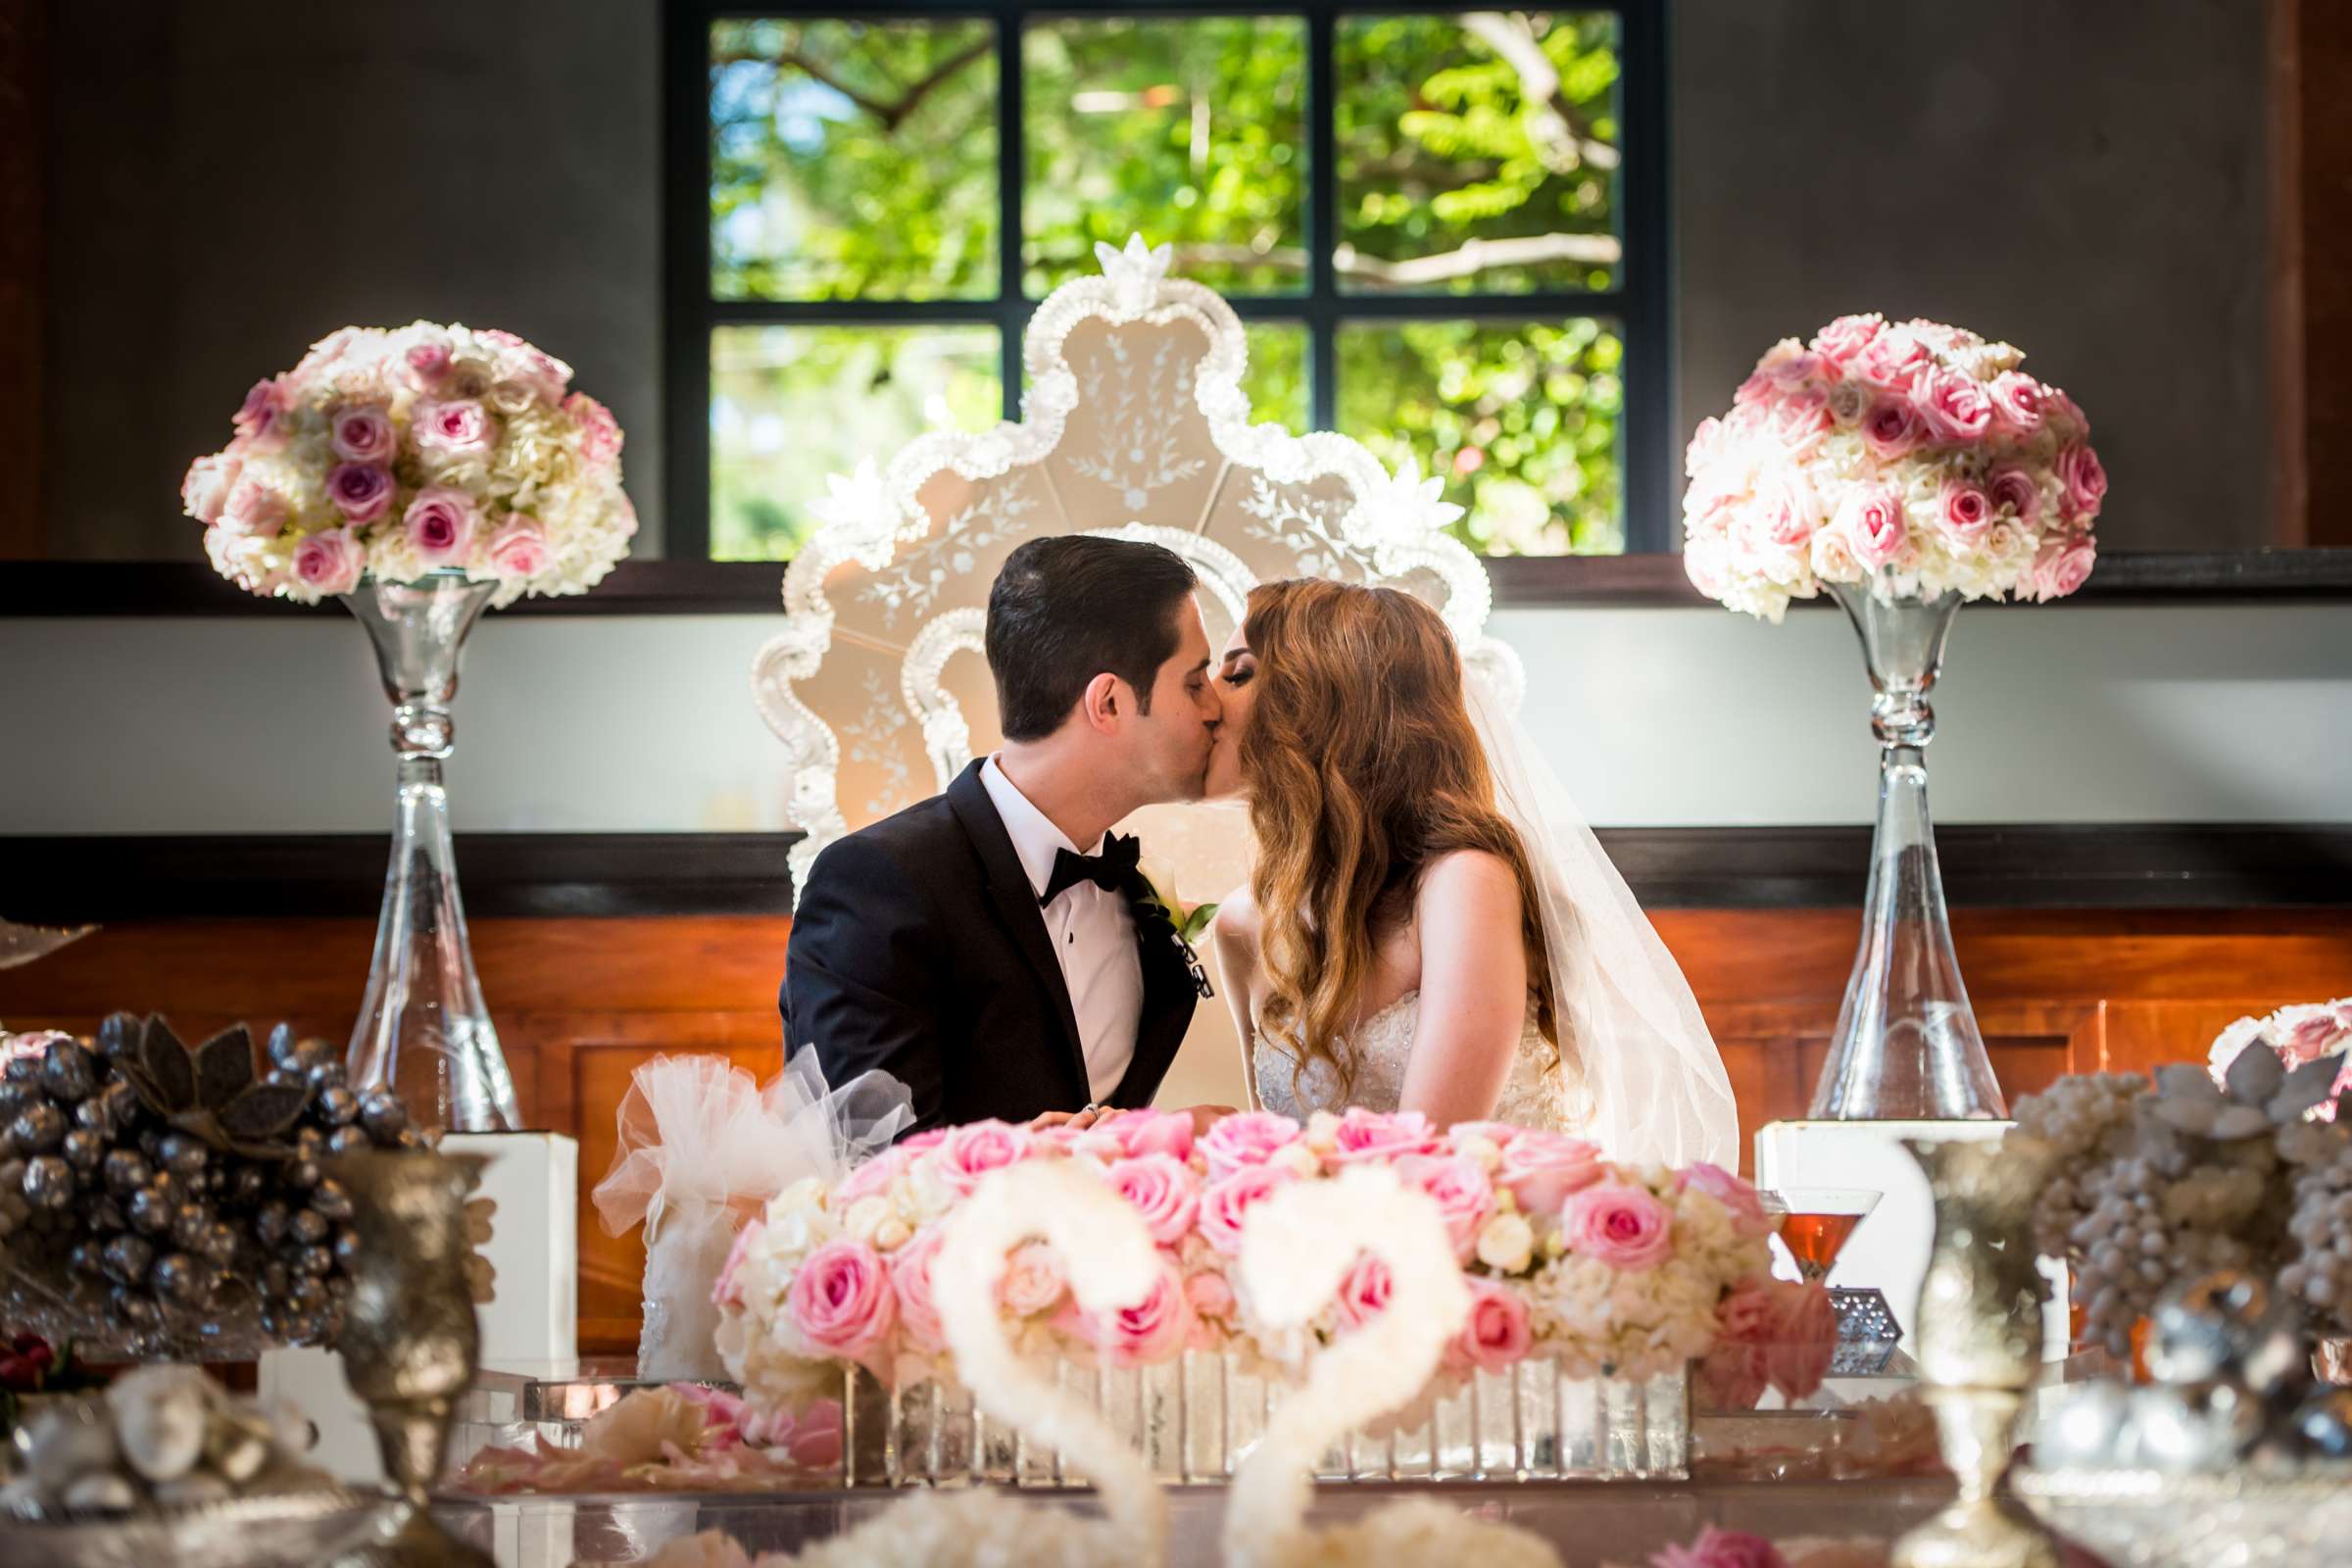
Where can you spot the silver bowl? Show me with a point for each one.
(2234, 1519)
(277, 1530)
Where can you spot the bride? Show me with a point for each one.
(1428, 925)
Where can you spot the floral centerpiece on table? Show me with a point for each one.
(2298, 1036)
(682, 1437)
(2148, 1185)
(1916, 458)
(1610, 1270)
(418, 450)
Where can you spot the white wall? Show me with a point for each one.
(1656, 717)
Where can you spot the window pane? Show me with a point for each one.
(1276, 380)
(1187, 130)
(1478, 154)
(790, 405)
(1521, 419)
(853, 160)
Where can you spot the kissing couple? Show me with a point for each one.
(1428, 925)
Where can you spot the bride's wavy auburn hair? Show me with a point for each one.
(1363, 769)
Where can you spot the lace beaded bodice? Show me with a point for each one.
(1378, 1051)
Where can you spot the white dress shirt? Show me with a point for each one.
(1093, 936)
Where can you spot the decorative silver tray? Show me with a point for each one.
(2239, 1519)
(280, 1530)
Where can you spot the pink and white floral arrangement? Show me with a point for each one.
(1916, 458)
(394, 453)
(1609, 1270)
(2298, 1035)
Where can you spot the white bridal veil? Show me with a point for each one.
(1644, 1078)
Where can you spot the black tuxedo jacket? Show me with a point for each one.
(918, 947)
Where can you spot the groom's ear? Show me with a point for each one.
(1103, 703)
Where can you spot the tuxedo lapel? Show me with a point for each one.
(1169, 995)
(1016, 905)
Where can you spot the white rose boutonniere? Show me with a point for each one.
(1187, 921)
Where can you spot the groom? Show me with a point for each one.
(991, 947)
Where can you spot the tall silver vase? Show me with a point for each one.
(1907, 1046)
(423, 1029)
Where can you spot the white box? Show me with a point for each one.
(531, 1319)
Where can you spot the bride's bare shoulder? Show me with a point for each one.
(1468, 877)
(1236, 918)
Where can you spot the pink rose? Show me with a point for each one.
(977, 1147)
(461, 427)
(2313, 1037)
(2062, 566)
(1155, 1132)
(2065, 415)
(262, 421)
(1368, 1135)
(1225, 1204)
(2017, 400)
(1163, 1191)
(1745, 1316)
(1147, 1333)
(2084, 479)
(1735, 1194)
(932, 1138)
(1833, 559)
(1730, 1377)
(1755, 389)
(1802, 1341)
(254, 510)
(1892, 359)
(1953, 406)
(206, 490)
(910, 1283)
(1497, 1334)
(728, 1288)
(1622, 1226)
(874, 1176)
(363, 433)
(1967, 512)
(1717, 1547)
(1364, 1292)
(518, 550)
(1459, 1186)
(1501, 1134)
(1542, 1170)
(1848, 335)
(1704, 443)
(600, 432)
(2015, 489)
(1033, 1280)
(842, 1301)
(440, 525)
(1210, 1295)
(1790, 364)
(361, 491)
(1872, 521)
(428, 365)
(1801, 415)
(330, 561)
(1892, 428)
(1791, 510)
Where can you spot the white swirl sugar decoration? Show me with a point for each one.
(1295, 1251)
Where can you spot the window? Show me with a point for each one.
(1444, 230)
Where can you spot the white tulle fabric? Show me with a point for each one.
(702, 1148)
(1643, 1078)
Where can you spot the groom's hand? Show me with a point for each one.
(1077, 1121)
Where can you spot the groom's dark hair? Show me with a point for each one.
(1067, 609)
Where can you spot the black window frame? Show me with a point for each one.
(1641, 304)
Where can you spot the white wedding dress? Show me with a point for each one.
(1378, 1051)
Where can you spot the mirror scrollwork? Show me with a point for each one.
(1134, 426)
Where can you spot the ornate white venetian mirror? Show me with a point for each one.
(1135, 424)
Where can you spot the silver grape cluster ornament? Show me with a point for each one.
(161, 1197)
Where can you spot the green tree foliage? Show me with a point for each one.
(1476, 155)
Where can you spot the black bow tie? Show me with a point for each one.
(1108, 870)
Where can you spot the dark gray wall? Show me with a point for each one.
(2087, 178)
(234, 179)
